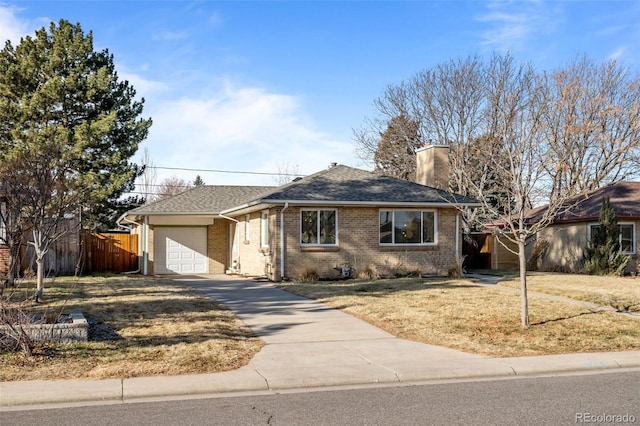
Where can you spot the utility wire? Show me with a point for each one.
(223, 171)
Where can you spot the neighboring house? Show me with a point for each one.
(328, 223)
(560, 247)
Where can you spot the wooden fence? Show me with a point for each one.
(81, 253)
(110, 252)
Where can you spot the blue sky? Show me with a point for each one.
(263, 86)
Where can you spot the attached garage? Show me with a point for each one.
(180, 250)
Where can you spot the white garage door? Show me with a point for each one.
(180, 250)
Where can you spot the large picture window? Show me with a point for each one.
(318, 227)
(626, 236)
(408, 227)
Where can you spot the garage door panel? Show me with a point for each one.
(181, 250)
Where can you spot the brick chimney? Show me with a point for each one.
(432, 166)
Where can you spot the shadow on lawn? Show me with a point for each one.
(566, 317)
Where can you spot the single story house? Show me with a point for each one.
(560, 247)
(338, 221)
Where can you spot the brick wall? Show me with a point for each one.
(218, 246)
(358, 246)
(432, 166)
(4, 261)
(254, 259)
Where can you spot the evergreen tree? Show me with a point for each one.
(396, 153)
(198, 181)
(604, 254)
(68, 128)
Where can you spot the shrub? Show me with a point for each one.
(308, 275)
(603, 254)
(368, 273)
(456, 270)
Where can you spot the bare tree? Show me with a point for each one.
(593, 124)
(286, 173)
(444, 105)
(147, 179)
(172, 186)
(519, 138)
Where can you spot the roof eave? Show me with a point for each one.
(263, 204)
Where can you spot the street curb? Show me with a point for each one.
(40, 392)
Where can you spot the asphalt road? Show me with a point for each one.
(603, 398)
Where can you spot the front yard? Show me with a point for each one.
(486, 320)
(150, 326)
(138, 327)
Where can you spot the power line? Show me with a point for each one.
(223, 171)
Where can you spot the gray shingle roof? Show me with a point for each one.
(343, 184)
(206, 199)
(337, 185)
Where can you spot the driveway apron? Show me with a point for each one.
(308, 343)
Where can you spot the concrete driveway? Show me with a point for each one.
(311, 344)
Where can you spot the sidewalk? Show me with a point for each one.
(307, 344)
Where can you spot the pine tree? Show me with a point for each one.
(68, 128)
(198, 181)
(604, 254)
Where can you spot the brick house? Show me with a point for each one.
(334, 222)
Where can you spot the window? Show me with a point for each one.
(247, 228)
(626, 237)
(408, 227)
(318, 227)
(264, 229)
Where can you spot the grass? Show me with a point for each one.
(149, 326)
(142, 327)
(622, 293)
(476, 319)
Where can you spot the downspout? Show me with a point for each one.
(457, 236)
(282, 245)
(237, 234)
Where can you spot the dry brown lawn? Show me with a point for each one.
(476, 319)
(622, 293)
(141, 327)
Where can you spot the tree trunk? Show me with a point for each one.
(39, 279)
(524, 303)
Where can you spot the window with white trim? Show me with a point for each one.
(318, 227)
(264, 228)
(626, 236)
(408, 227)
(247, 228)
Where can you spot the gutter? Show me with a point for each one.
(443, 204)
